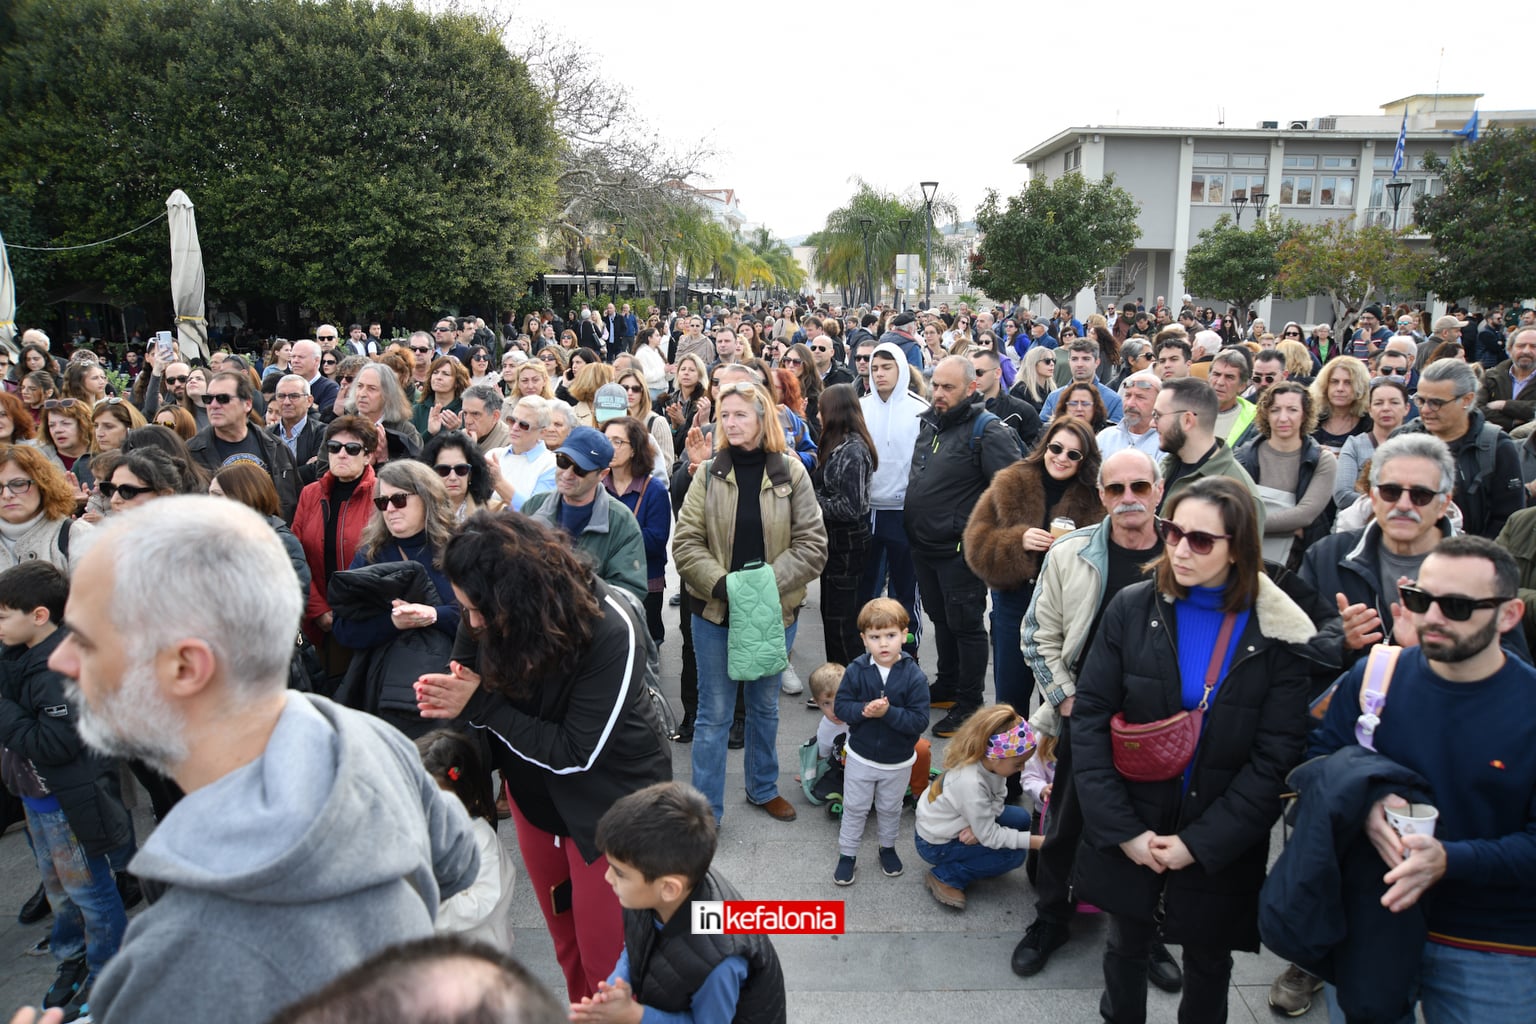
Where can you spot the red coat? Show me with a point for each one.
(309, 527)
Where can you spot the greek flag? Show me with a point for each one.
(1402, 146)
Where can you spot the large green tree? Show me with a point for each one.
(1233, 265)
(840, 243)
(1484, 223)
(340, 154)
(1053, 238)
(1353, 266)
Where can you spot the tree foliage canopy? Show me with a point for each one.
(340, 153)
(1233, 265)
(1352, 266)
(1053, 238)
(840, 243)
(1484, 223)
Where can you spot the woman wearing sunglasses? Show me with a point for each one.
(1210, 632)
(398, 619)
(1010, 531)
(1294, 473)
(329, 523)
(458, 463)
(1037, 376)
(637, 395)
(751, 503)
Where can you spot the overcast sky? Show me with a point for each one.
(800, 97)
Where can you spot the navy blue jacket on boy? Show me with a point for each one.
(37, 722)
(890, 738)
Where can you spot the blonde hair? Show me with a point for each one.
(767, 410)
(970, 743)
(1359, 379)
(1045, 748)
(826, 679)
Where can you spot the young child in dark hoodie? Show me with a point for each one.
(884, 699)
(660, 842)
(74, 816)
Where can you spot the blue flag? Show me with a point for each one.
(1468, 131)
(1402, 146)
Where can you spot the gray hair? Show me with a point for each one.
(235, 585)
(397, 408)
(1237, 358)
(425, 337)
(1134, 348)
(538, 409)
(307, 346)
(294, 377)
(487, 394)
(1416, 446)
(1452, 371)
(561, 409)
(1152, 466)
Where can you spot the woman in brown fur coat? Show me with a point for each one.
(1010, 531)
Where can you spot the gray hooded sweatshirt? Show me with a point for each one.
(288, 872)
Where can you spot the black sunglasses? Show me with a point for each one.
(566, 462)
(1057, 448)
(1456, 607)
(350, 447)
(128, 491)
(219, 398)
(420, 349)
(457, 469)
(383, 501)
(1393, 493)
(1200, 542)
(1140, 488)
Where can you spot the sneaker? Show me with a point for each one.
(130, 893)
(890, 864)
(1034, 950)
(36, 908)
(1292, 992)
(951, 723)
(79, 1007)
(738, 736)
(38, 948)
(810, 702)
(675, 600)
(789, 681)
(843, 875)
(941, 698)
(1162, 970)
(945, 894)
(71, 975)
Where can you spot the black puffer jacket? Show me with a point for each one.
(949, 473)
(382, 679)
(1254, 732)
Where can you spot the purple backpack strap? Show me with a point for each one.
(1373, 692)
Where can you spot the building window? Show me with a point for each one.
(1210, 159)
(1073, 159)
(1300, 163)
(1210, 189)
(1334, 191)
(1245, 185)
(1250, 160)
(1296, 190)
(1340, 163)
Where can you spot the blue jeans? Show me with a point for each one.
(717, 702)
(1466, 986)
(890, 555)
(1012, 679)
(87, 911)
(955, 863)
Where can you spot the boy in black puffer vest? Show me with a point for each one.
(659, 842)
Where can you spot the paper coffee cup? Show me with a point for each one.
(1413, 820)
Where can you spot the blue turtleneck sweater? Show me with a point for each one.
(1199, 622)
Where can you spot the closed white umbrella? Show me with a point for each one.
(187, 277)
(7, 303)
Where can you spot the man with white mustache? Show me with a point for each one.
(1082, 572)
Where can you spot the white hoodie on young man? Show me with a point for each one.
(893, 424)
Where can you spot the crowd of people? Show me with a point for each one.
(376, 575)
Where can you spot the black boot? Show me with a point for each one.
(738, 737)
(684, 733)
(36, 908)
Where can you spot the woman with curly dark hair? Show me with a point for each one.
(549, 663)
(798, 359)
(457, 459)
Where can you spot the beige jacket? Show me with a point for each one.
(794, 543)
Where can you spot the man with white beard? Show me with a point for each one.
(309, 837)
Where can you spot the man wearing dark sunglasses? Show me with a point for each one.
(1459, 713)
(1411, 480)
(231, 437)
(599, 524)
(1086, 569)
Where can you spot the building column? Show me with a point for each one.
(1180, 222)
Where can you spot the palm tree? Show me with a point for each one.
(840, 244)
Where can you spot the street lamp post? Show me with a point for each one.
(1396, 189)
(618, 252)
(869, 275)
(1259, 200)
(1238, 202)
(904, 223)
(930, 189)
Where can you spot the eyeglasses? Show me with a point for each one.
(384, 501)
(350, 447)
(513, 421)
(1047, 362)
(442, 330)
(220, 397)
(421, 349)
(444, 470)
(125, 491)
(327, 362)
(1057, 448)
(1266, 378)
(289, 396)
(1291, 334)
(1394, 371)
(1436, 404)
(1140, 488)
(1200, 542)
(344, 379)
(566, 462)
(107, 401)
(1420, 496)
(821, 348)
(1171, 412)
(58, 403)
(1080, 405)
(325, 337)
(1456, 607)
(634, 389)
(861, 359)
(17, 487)
(791, 361)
